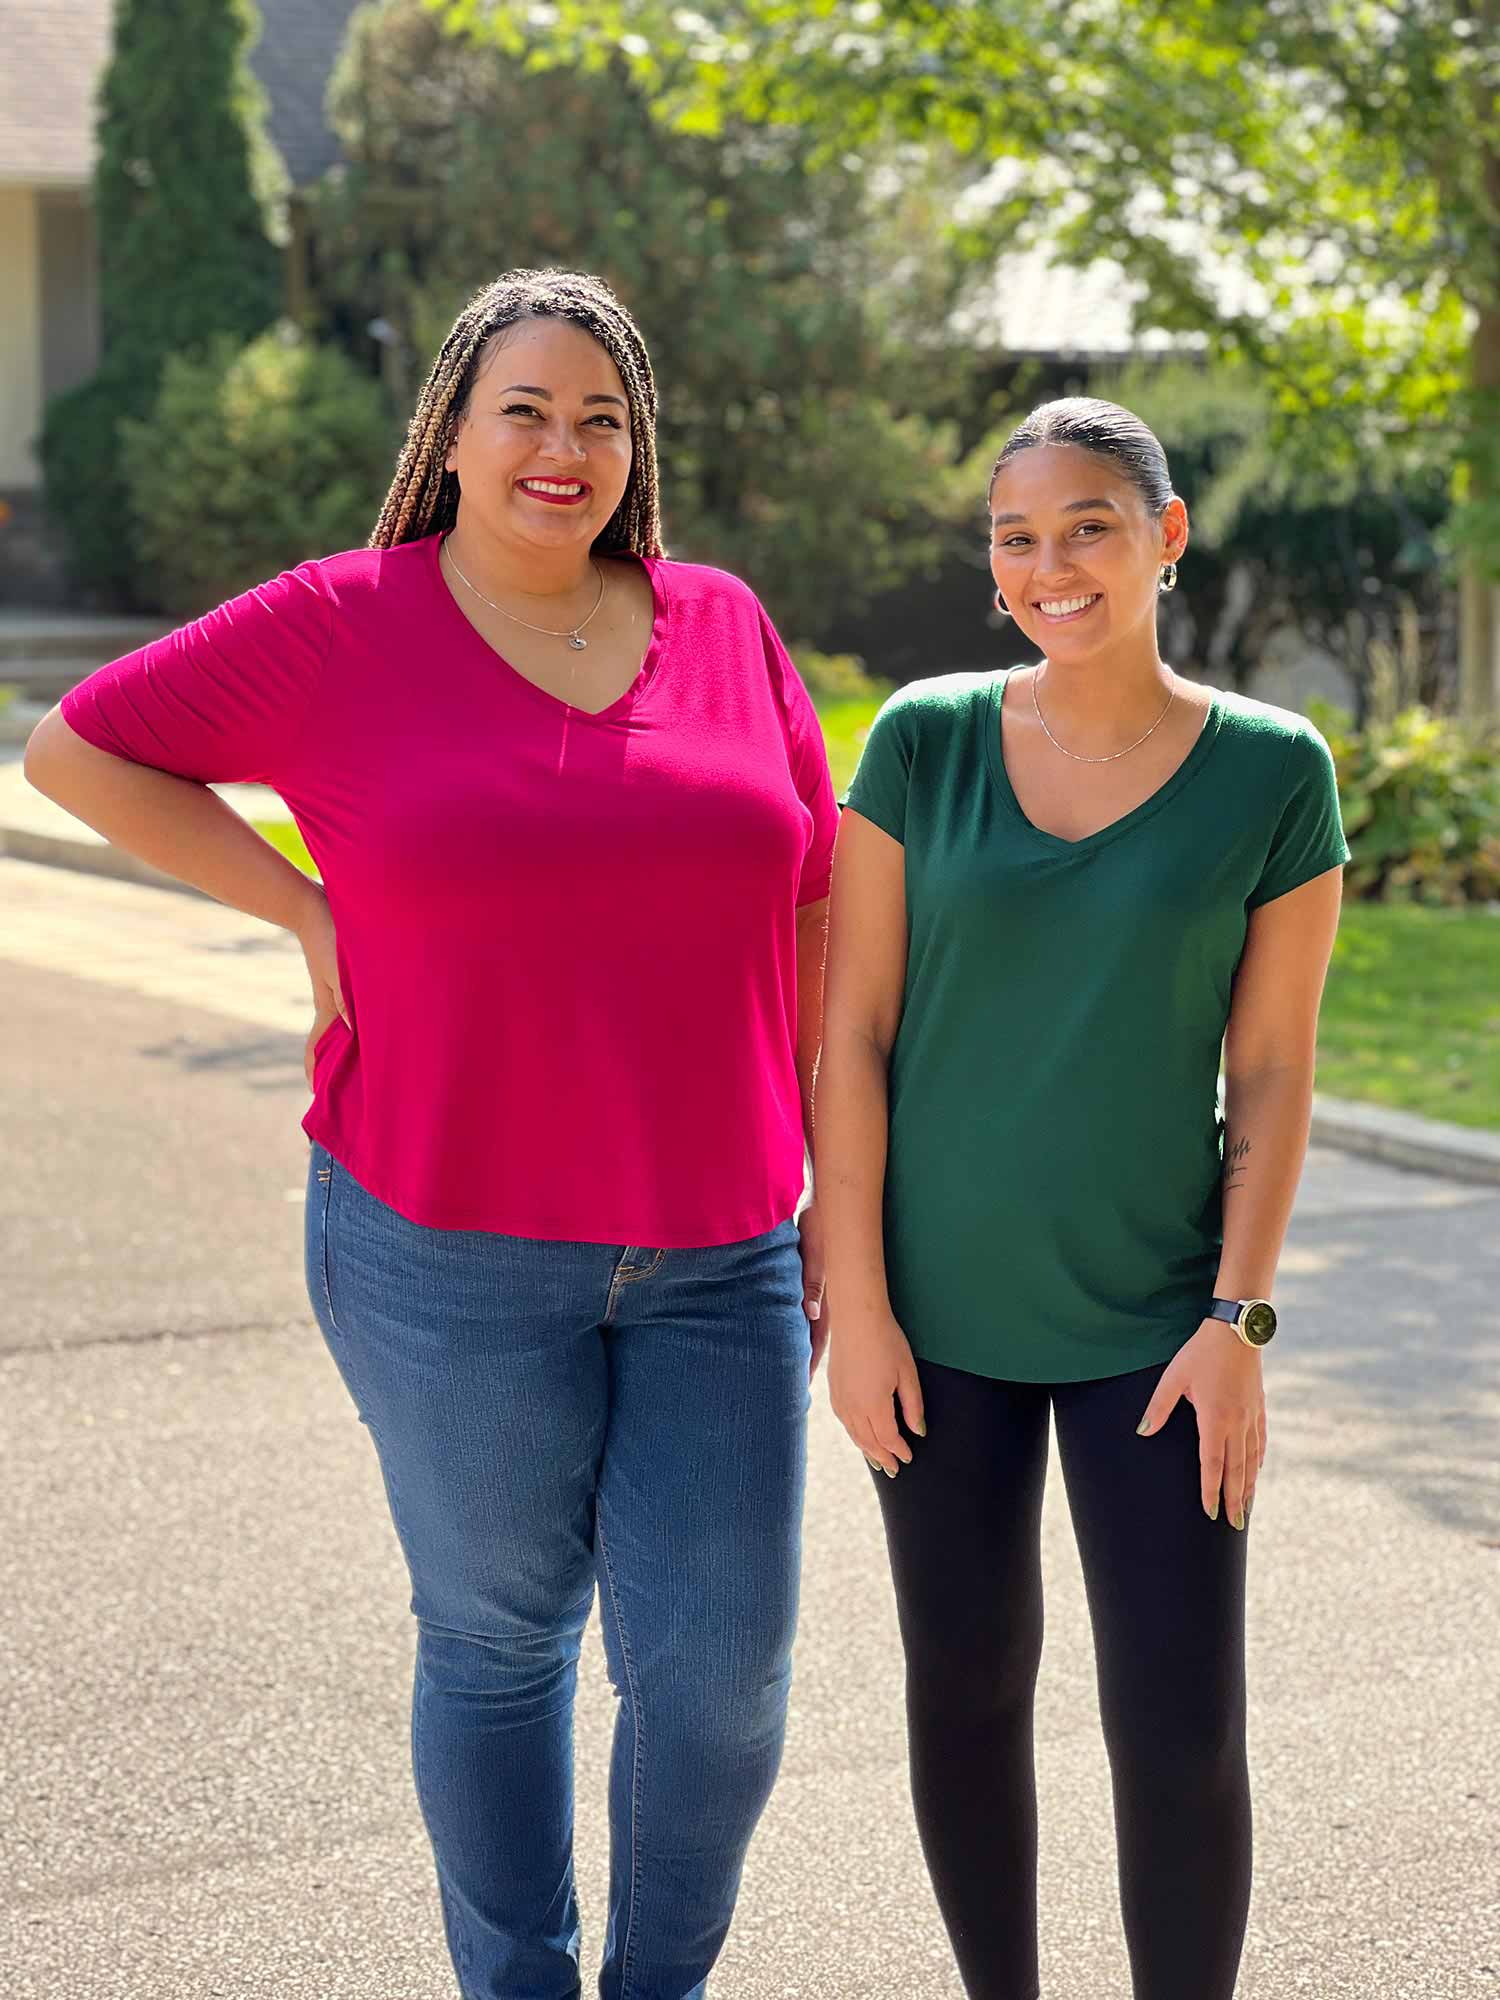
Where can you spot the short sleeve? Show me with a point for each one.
(222, 699)
(879, 787)
(809, 765)
(1309, 835)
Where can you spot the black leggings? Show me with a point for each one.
(1166, 1590)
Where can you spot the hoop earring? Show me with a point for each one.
(1001, 606)
(1168, 578)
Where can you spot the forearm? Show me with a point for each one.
(1267, 1114)
(852, 1142)
(175, 824)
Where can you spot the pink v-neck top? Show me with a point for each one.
(567, 942)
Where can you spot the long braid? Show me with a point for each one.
(423, 499)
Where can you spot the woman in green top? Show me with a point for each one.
(1061, 892)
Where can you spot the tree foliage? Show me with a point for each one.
(1346, 554)
(782, 302)
(184, 190)
(254, 458)
(1314, 182)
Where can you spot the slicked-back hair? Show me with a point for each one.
(423, 499)
(1105, 429)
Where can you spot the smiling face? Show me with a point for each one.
(1075, 550)
(543, 450)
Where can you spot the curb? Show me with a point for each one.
(1399, 1138)
(88, 857)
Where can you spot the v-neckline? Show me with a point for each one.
(1191, 764)
(645, 676)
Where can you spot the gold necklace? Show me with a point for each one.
(1114, 754)
(574, 636)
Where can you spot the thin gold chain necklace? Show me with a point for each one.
(1114, 755)
(573, 635)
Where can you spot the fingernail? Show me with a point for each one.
(1238, 1520)
(919, 1430)
(889, 1471)
(1143, 1428)
(814, 1309)
(1213, 1512)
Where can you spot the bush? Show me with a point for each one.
(1421, 800)
(254, 459)
(837, 676)
(84, 485)
(184, 186)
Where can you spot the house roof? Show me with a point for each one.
(55, 51)
(294, 58)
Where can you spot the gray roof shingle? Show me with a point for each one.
(294, 58)
(55, 50)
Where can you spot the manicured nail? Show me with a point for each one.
(814, 1308)
(1238, 1520)
(1143, 1428)
(889, 1471)
(919, 1430)
(1213, 1512)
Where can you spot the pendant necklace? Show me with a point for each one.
(574, 636)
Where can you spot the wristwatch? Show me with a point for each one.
(1254, 1320)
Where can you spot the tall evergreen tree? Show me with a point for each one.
(183, 188)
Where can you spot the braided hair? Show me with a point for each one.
(423, 499)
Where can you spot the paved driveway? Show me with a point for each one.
(204, 1660)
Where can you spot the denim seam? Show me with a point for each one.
(627, 1274)
(325, 1175)
(628, 1945)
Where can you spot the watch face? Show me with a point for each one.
(1259, 1322)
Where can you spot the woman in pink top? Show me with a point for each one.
(573, 817)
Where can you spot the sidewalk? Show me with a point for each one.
(32, 829)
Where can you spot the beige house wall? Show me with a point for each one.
(20, 339)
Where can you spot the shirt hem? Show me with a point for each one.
(631, 1232)
(1099, 1365)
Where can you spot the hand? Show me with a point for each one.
(814, 1282)
(869, 1369)
(320, 949)
(1221, 1378)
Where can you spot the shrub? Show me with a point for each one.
(837, 676)
(1421, 800)
(185, 187)
(85, 487)
(254, 459)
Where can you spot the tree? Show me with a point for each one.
(183, 192)
(780, 303)
(1316, 183)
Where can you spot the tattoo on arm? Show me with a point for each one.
(1236, 1159)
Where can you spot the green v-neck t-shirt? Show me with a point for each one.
(1053, 1180)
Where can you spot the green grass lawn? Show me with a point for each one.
(1411, 1018)
(845, 727)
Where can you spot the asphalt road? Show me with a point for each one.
(205, 1650)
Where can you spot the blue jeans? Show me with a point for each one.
(548, 1415)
